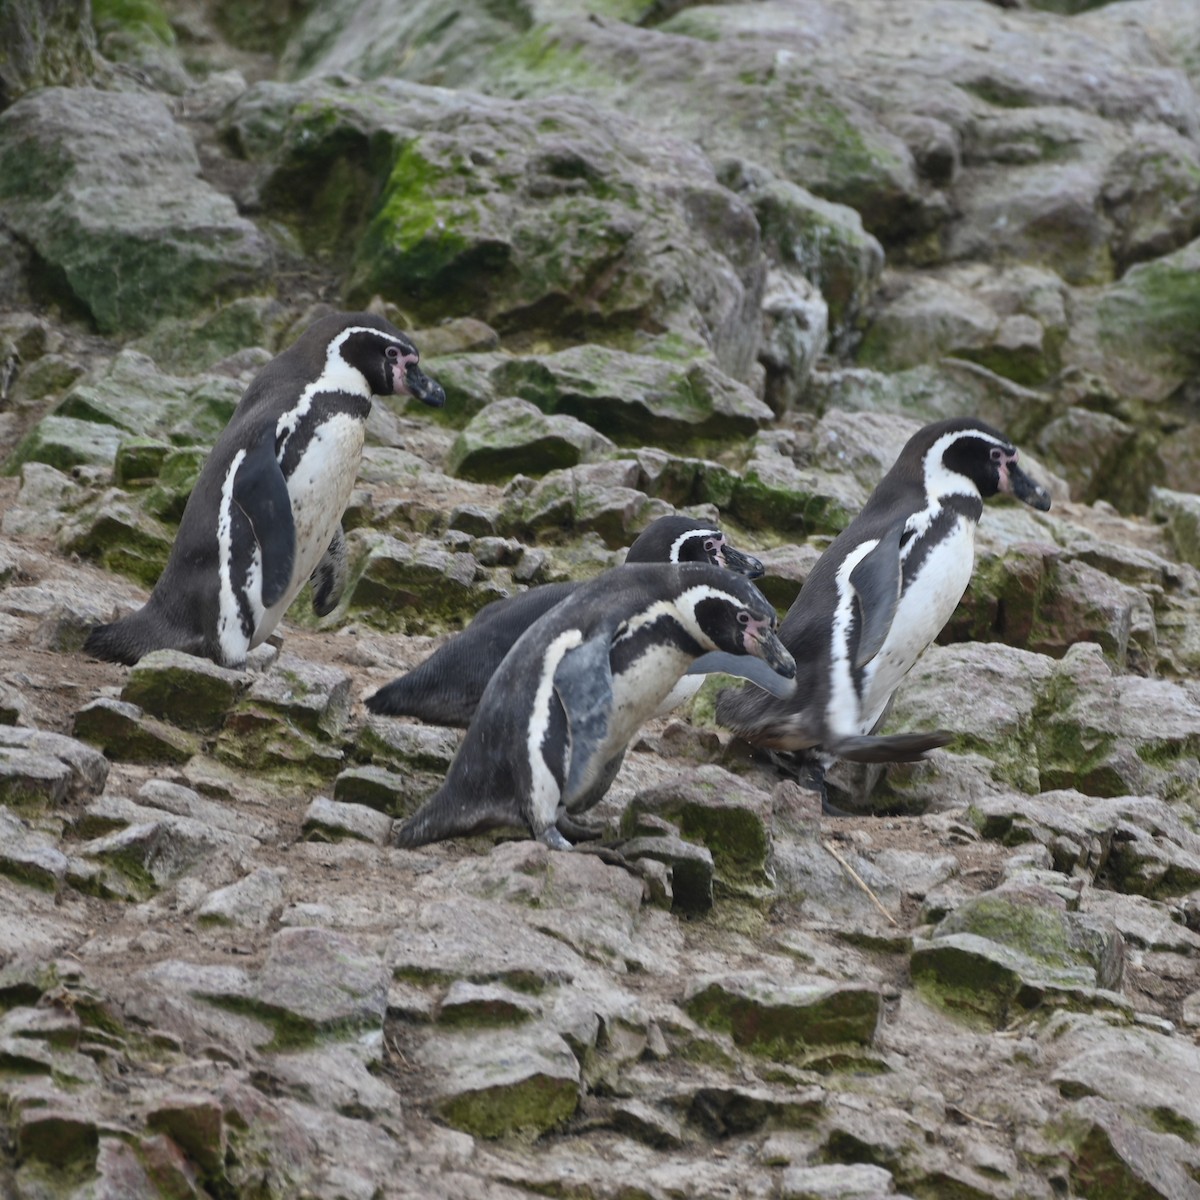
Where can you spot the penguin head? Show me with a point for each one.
(386, 359)
(681, 540)
(727, 612)
(973, 451)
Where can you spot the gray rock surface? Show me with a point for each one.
(719, 260)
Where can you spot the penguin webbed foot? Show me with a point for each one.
(555, 840)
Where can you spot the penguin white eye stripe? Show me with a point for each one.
(678, 544)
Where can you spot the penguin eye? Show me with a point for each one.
(392, 353)
(997, 454)
(743, 618)
(711, 546)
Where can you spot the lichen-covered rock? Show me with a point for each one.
(691, 868)
(785, 1020)
(601, 498)
(251, 902)
(498, 1084)
(574, 219)
(414, 587)
(47, 42)
(126, 734)
(187, 691)
(511, 436)
(398, 794)
(66, 442)
(1012, 949)
(334, 820)
(727, 816)
(132, 234)
(120, 536)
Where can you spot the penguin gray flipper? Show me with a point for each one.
(753, 669)
(893, 747)
(584, 684)
(260, 496)
(328, 578)
(876, 581)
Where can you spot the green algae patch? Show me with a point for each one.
(785, 1021)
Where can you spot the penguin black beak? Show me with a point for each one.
(421, 387)
(743, 564)
(1014, 482)
(774, 653)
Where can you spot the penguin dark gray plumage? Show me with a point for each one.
(266, 511)
(556, 717)
(880, 594)
(445, 689)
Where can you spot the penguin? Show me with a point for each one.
(879, 595)
(265, 514)
(445, 689)
(556, 717)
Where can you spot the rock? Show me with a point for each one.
(480, 943)
(119, 536)
(187, 691)
(647, 1124)
(45, 495)
(1107, 1150)
(29, 857)
(48, 44)
(126, 734)
(153, 854)
(729, 817)
(85, 769)
(495, 1085)
(332, 820)
(560, 248)
(1012, 949)
(251, 902)
(598, 498)
(318, 982)
(485, 1004)
(1135, 1068)
(727, 1111)
(131, 237)
(417, 588)
(195, 1122)
(691, 869)
(511, 436)
(785, 1020)
(1180, 512)
(836, 1181)
(65, 442)
(396, 794)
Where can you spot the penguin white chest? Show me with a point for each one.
(319, 488)
(640, 691)
(925, 606)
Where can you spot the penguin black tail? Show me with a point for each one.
(444, 815)
(132, 637)
(893, 747)
(422, 695)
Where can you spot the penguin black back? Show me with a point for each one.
(446, 688)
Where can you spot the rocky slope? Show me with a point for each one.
(662, 256)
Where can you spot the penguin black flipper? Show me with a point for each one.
(584, 684)
(754, 669)
(328, 578)
(260, 498)
(876, 580)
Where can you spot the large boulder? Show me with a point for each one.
(106, 188)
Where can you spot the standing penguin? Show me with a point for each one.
(265, 514)
(554, 721)
(880, 594)
(445, 689)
